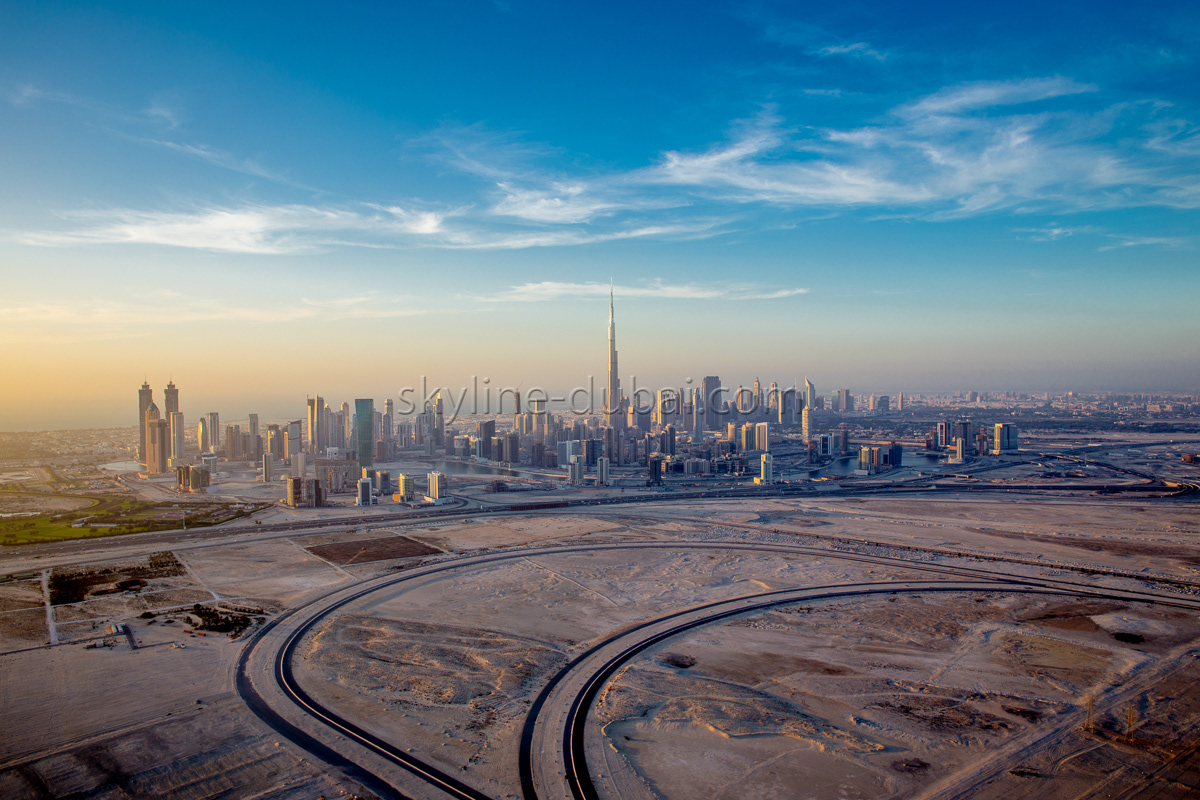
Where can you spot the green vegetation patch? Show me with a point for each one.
(112, 516)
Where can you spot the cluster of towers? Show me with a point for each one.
(161, 434)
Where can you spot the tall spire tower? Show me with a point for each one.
(613, 400)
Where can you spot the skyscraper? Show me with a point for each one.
(439, 419)
(1005, 438)
(293, 447)
(666, 407)
(145, 399)
(766, 469)
(364, 430)
(214, 430)
(157, 445)
(170, 400)
(785, 407)
(175, 418)
(810, 393)
(316, 426)
(711, 386)
(613, 401)
(485, 432)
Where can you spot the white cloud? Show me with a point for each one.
(986, 94)
(163, 113)
(855, 50)
(225, 160)
(939, 158)
(139, 312)
(962, 151)
(557, 290)
(562, 203)
(297, 229)
(250, 229)
(1055, 232)
(1170, 242)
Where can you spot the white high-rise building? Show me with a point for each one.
(576, 470)
(177, 434)
(766, 470)
(214, 431)
(437, 486)
(406, 487)
(762, 434)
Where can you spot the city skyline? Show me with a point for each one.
(718, 404)
(944, 201)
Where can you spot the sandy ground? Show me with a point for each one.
(32, 504)
(451, 664)
(156, 721)
(862, 699)
(869, 698)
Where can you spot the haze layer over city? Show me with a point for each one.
(514, 400)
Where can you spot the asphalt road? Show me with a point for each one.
(267, 683)
(1152, 488)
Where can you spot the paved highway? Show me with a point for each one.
(266, 680)
(1153, 487)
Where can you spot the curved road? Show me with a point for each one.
(266, 681)
(563, 707)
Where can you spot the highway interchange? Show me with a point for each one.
(553, 760)
(553, 748)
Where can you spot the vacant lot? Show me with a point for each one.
(362, 552)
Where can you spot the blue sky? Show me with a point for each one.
(880, 197)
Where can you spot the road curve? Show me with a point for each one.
(561, 710)
(267, 659)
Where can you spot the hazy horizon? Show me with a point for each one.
(301, 200)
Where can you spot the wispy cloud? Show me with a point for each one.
(556, 290)
(1170, 242)
(167, 115)
(149, 127)
(485, 152)
(248, 229)
(26, 94)
(159, 310)
(1029, 146)
(560, 203)
(854, 50)
(962, 151)
(300, 229)
(986, 94)
(1055, 232)
(224, 160)
(748, 169)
